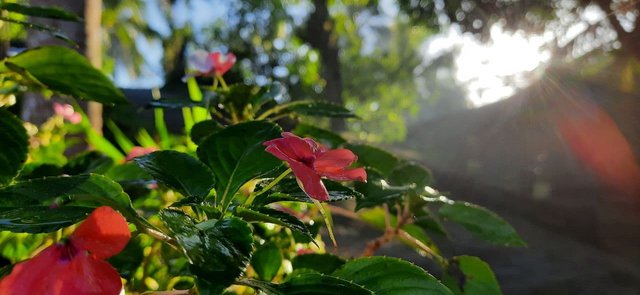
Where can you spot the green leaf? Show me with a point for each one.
(236, 155)
(309, 283)
(289, 190)
(13, 144)
(66, 71)
(40, 219)
(172, 103)
(266, 261)
(202, 129)
(218, 251)
(483, 223)
(390, 276)
(477, 278)
(410, 173)
(39, 11)
(376, 191)
(88, 162)
(272, 92)
(178, 171)
(316, 108)
(323, 136)
(322, 263)
(269, 215)
(374, 157)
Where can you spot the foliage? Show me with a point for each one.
(213, 211)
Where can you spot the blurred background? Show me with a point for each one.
(530, 108)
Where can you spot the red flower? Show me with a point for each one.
(76, 266)
(205, 63)
(310, 161)
(222, 64)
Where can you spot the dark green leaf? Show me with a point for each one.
(53, 31)
(178, 171)
(89, 162)
(390, 276)
(374, 157)
(39, 11)
(129, 259)
(309, 283)
(472, 276)
(217, 250)
(66, 71)
(322, 263)
(376, 191)
(40, 219)
(202, 129)
(316, 108)
(172, 103)
(13, 144)
(266, 261)
(323, 136)
(264, 214)
(482, 223)
(236, 155)
(289, 190)
(410, 173)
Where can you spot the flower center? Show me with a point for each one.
(68, 251)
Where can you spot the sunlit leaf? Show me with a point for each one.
(13, 144)
(66, 71)
(390, 276)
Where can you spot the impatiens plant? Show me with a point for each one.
(216, 210)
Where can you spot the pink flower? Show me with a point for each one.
(214, 63)
(78, 265)
(67, 112)
(138, 151)
(311, 161)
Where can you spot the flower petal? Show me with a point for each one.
(334, 160)
(292, 147)
(86, 275)
(199, 61)
(221, 63)
(309, 181)
(104, 233)
(357, 174)
(34, 276)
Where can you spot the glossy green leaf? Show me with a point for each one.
(266, 261)
(471, 276)
(218, 251)
(202, 129)
(236, 155)
(390, 276)
(481, 222)
(40, 11)
(376, 191)
(289, 190)
(316, 108)
(178, 171)
(322, 263)
(96, 189)
(66, 71)
(323, 136)
(309, 283)
(269, 215)
(13, 144)
(374, 157)
(40, 219)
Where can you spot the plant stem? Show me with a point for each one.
(253, 195)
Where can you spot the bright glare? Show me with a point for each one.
(493, 71)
